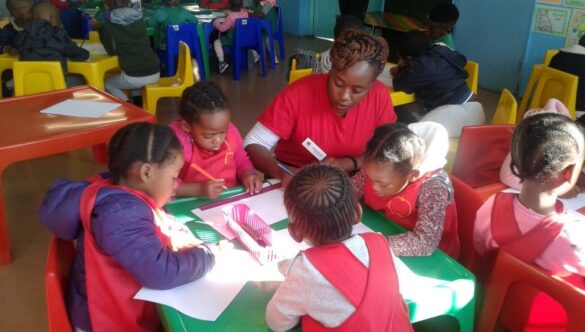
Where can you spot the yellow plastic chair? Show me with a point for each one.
(171, 86)
(93, 37)
(549, 83)
(548, 56)
(506, 110)
(401, 98)
(296, 74)
(472, 80)
(40, 76)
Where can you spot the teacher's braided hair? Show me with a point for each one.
(141, 142)
(320, 200)
(353, 46)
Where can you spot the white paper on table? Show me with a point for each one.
(81, 108)
(268, 205)
(95, 48)
(218, 288)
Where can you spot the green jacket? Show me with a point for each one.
(165, 16)
(132, 46)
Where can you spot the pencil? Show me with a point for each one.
(284, 168)
(204, 172)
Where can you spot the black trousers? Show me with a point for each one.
(353, 7)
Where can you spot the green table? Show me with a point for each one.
(452, 294)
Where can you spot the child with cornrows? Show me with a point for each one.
(403, 176)
(211, 143)
(343, 282)
(124, 239)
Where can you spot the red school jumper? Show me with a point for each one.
(372, 291)
(110, 288)
(542, 311)
(402, 209)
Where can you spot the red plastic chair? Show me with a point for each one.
(509, 270)
(479, 157)
(59, 262)
(467, 201)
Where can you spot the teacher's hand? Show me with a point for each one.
(345, 164)
(284, 177)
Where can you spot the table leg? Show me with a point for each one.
(465, 317)
(5, 258)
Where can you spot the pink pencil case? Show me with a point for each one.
(254, 234)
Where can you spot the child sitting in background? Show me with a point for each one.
(441, 21)
(168, 14)
(547, 156)
(124, 35)
(124, 239)
(343, 281)
(264, 10)
(211, 142)
(403, 176)
(20, 15)
(226, 28)
(323, 65)
(43, 39)
(572, 60)
(436, 75)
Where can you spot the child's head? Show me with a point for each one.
(20, 10)
(46, 11)
(235, 5)
(412, 44)
(442, 19)
(147, 157)
(205, 114)
(347, 22)
(392, 158)
(547, 148)
(321, 205)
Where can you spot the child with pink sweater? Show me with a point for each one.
(226, 29)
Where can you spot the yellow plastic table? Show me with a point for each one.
(452, 293)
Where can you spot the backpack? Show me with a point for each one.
(304, 58)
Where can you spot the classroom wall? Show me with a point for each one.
(495, 34)
(295, 16)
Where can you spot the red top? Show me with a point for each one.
(110, 288)
(402, 209)
(214, 4)
(372, 291)
(303, 110)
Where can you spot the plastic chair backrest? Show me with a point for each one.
(59, 262)
(557, 84)
(40, 76)
(548, 56)
(528, 91)
(510, 270)
(480, 153)
(186, 33)
(467, 201)
(296, 74)
(246, 34)
(185, 66)
(506, 109)
(279, 33)
(472, 80)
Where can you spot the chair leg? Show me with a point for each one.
(149, 103)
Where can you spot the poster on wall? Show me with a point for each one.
(575, 3)
(554, 2)
(576, 27)
(551, 20)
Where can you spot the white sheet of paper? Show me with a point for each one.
(81, 108)
(268, 205)
(95, 48)
(219, 287)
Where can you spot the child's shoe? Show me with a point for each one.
(256, 56)
(223, 66)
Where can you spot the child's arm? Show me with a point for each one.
(223, 25)
(59, 211)
(70, 49)
(124, 229)
(209, 189)
(106, 39)
(359, 183)
(414, 75)
(424, 239)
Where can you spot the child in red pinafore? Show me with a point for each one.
(547, 157)
(344, 282)
(211, 142)
(403, 176)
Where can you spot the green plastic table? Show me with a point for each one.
(453, 295)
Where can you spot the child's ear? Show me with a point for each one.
(295, 232)
(146, 172)
(568, 173)
(413, 175)
(186, 126)
(358, 213)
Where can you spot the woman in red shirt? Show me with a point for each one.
(337, 111)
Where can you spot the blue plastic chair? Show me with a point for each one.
(186, 33)
(279, 33)
(267, 26)
(246, 36)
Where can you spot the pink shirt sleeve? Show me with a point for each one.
(482, 234)
(243, 162)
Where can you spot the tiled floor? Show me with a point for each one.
(22, 301)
